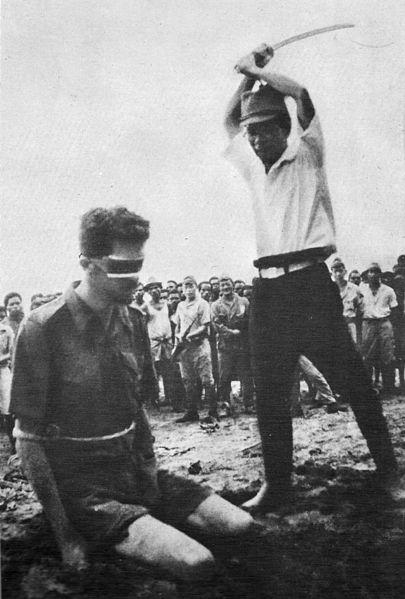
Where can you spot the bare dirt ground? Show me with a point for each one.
(341, 538)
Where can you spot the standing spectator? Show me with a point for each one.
(205, 290)
(171, 285)
(6, 349)
(15, 311)
(247, 292)
(160, 335)
(378, 334)
(192, 320)
(239, 286)
(352, 299)
(398, 322)
(180, 290)
(387, 278)
(139, 296)
(178, 390)
(355, 277)
(36, 300)
(401, 265)
(206, 293)
(230, 317)
(214, 282)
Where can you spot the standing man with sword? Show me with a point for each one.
(296, 308)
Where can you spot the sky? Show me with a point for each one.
(110, 102)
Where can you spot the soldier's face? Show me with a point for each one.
(268, 140)
(190, 290)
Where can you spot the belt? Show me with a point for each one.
(54, 435)
(382, 319)
(275, 271)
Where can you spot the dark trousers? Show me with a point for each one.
(301, 313)
(235, 363)
(164, 368)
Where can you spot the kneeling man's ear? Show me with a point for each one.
(85, 263)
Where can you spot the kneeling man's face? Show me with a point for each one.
(119, 289)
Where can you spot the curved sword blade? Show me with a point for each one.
(302, 36)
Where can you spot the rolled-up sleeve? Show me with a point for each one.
(31, 371)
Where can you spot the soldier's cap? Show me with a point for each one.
(152, 282)
(262, 105)
(337, 263)
(190, 278)
(225, 277)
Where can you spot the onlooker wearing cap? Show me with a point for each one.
(352, 299)
(230, 317)
(296, 308)
(15, 311)
(160, 335)
(378, 334)
(192, 320)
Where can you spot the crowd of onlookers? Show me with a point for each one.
(200, 342)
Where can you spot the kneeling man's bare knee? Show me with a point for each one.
(199, 564)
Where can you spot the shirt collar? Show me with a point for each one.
(289, 153)
(82, 314)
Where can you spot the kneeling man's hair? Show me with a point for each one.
(100, 227)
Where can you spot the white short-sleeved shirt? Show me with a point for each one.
(291, 203)
(379, 304)
(195, 313)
